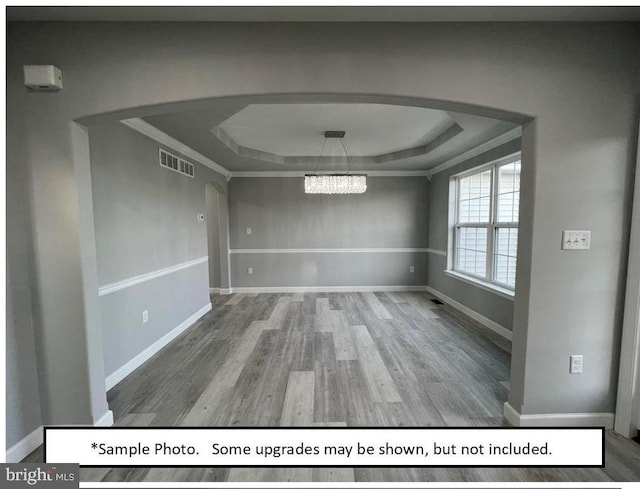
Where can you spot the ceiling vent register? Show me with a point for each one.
(172, 162)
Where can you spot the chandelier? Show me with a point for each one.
(337, 183)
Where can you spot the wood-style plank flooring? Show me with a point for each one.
(332, 359)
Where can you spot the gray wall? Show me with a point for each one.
(392, 213)
(145, 220)
(490, 305)
(579, 105)
(23, 398)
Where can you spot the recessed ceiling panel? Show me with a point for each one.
(293, 130)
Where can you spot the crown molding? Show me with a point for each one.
(156, 134)
(256, 154)
(514, 133)
(143, 127)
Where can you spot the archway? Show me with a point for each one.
(216, 208)
(217, 234)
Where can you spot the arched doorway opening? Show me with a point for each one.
(217, 230)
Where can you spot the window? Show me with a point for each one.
(485, 231)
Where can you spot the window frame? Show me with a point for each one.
(491, 226)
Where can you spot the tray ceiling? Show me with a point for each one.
(290, 136)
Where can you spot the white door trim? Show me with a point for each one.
(627, 415)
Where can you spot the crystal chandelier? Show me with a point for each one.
(337, 183)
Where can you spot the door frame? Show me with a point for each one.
(629, 377)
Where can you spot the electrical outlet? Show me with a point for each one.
(412, 269)
(575, 364)
(576, 240)
(248, 230)
(250, 271)
(145, 316)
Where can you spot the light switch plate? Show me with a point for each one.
(576, 240)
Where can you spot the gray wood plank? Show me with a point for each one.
(270, 474)
(335, 474)
(333, 321)
(376, 306)
(298, 401)
(381, 385)
(227, 376)
(187, 474)
(329, 405)
(330, 424)
(235, 299)
(393, 297)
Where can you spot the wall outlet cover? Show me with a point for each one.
(575, 364)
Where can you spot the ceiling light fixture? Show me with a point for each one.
(337, 183)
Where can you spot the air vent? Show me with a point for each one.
(172, 162)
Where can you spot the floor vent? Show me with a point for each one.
(172, 162)
(436, 301)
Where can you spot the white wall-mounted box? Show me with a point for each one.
(42, 77)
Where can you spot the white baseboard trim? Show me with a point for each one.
(335, 288)
(511, 415)
(214, 290)
(106, 419)
(226, 291)
(24, 447)
(33, 440)
(492, 325)
(144, 355)
(558, 419)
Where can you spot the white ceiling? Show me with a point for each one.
(297, 129)
(326, 14)
(289, 136)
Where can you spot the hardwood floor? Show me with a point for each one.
(345, 359)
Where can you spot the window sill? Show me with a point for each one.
(493, 288)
